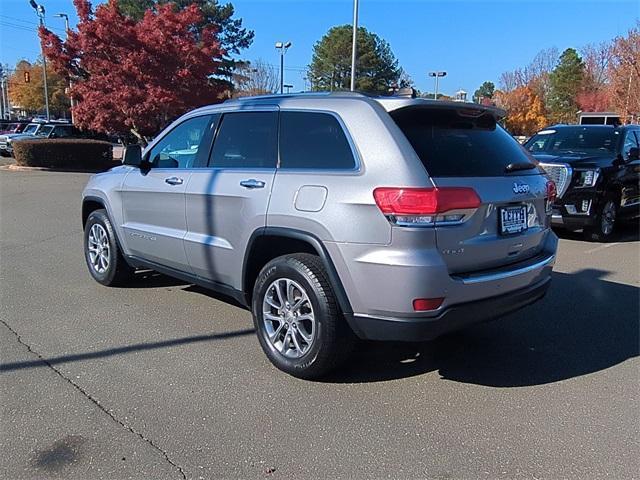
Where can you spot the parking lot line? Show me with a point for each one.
(601, 247)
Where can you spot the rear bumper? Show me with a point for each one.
(453, 318)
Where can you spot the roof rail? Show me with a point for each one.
(296, 95)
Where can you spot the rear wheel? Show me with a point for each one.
(102, 253)
(299, 325)
(605, 221)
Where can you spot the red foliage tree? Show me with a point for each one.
(133, 76)
(594, 100)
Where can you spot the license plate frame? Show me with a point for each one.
(508, 224)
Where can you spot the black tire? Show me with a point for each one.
(117, 272)
(333, 339)
(605, 221)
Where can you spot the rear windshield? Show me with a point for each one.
(598, 141)
(459, 142)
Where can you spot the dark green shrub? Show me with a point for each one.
(70, 153)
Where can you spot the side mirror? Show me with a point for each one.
(634, 154)
(132, 155)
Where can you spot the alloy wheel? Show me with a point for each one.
(288, 317)
(98, 247)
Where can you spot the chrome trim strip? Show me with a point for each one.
(490, 277)
(548, 167)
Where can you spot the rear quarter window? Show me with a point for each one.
(313, 140)
(459, 143)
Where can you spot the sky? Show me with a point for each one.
(471, 40)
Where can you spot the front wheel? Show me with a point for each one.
(605, 221)
(299, 325)
(102, 253)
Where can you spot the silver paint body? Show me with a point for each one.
(203, 226)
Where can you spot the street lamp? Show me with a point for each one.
(283, 47)
(66, 29)
(66, 21)
(354, 46)
(40, 12)
(437, 75)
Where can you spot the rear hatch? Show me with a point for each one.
(463, 146)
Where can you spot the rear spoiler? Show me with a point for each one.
(394, 103)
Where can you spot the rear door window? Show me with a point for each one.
(246, 140)
(313, 140)
(460, 142)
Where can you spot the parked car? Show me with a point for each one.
(332, 216)
(38, 131)
(13, 127)
(5, 140)
(55, 130)
(596, 169)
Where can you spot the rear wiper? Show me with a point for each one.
(512, 167)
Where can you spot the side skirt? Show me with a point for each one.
(217, 287)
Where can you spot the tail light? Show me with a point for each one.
(425, 206)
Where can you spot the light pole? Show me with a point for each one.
(40, 12)
(437, 75)
(66, 29)
(6, 110)
(283, 47)
(354, 46)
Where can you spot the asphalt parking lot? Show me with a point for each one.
(165, 380)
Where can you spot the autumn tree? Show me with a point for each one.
(525, 110)
(594, 95)
(535, 74)
(624, 73)
(565, 84)
(256, 78)
(30, 95)
(136, 75)
(376, 67)
(231, 34)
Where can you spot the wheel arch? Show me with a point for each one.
(91, 204)
(261, 249)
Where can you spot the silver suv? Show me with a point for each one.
(332, 217)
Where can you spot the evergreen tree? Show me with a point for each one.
(486, 90)
(376, 67)
(565, 83)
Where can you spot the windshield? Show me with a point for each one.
(45, 131)
(575, 140)
(31, 128)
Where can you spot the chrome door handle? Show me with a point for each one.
(252, 183)
(174, 181)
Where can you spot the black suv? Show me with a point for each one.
(596, 169)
